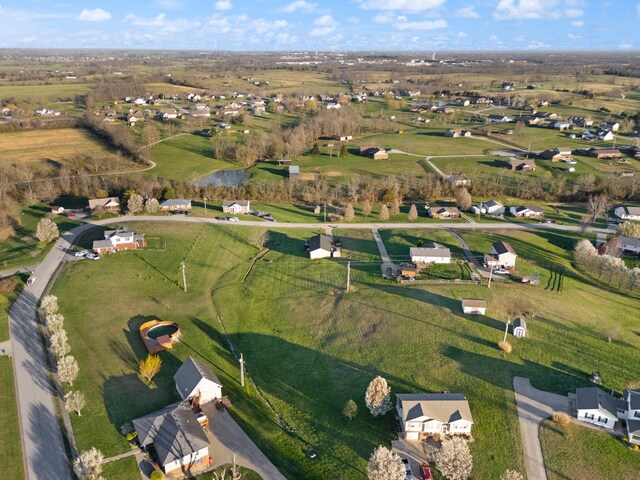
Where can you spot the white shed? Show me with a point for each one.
(519, 328)
(196, 381)
(474, 306)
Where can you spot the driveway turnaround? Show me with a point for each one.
(533, 407)
(227, 439)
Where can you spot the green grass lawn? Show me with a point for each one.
(23, 248)
(576, 451)
(6, 300)
(10, 445)
(310, 347)
(123, 469)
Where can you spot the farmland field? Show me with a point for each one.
(43, 93)
(309, 346)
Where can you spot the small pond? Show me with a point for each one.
(225, 178)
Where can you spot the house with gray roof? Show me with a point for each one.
(502, 255)
(430, 252)
(108, 204)
(323, 246)
(196, 382)
(630, 412)
(179, 442)
(426, 414)
(627, 212)
(175, 205)
(598, 407)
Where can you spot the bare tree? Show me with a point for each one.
(135, 203)
(60, 344)
(74, 402)
(454, 459)
(366, 208)
(151, 205)
(598, 205)
(385, 464)
(413, 213)
(463, 198)
(49, 304)
(47, 230)
(68, 369)
(349, 214)
(384, 213)
(88, 465)
(378, 396)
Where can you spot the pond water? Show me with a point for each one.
(225, 178)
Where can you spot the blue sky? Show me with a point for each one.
(323, 24)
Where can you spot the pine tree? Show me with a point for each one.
(395, 207)
(350, 409)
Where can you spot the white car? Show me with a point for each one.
(80, 253)
(31, 280)
(234, 219)
(570, 161)
(92, 256)
(501, 271)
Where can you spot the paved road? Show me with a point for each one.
(42, 443)
(533, 407)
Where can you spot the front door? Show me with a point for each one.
(445, 428)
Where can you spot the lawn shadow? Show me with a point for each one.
(47, 460)
(279, 242)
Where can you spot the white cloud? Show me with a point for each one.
(404, 5)
(573, 36)
(324, 25)
(625, 46)
(300, 6)
(467, 12)
(97, 15)
(383, 18)
(353, 20)
(223, 5)
(170, 4)
(577, 24)
(156, 21)
(29, 39)
(424, 25)
(535, 45)
(462, 35)
(637, 9)
(161, 25)
(519, 38)
(573, 13)
(530, 9)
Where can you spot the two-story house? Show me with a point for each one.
(423, 415)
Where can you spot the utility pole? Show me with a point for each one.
(490, 275)
(241, 370)
(348, 275)
(325, 211)
(506, 330)
(184, 275)
(205, 205)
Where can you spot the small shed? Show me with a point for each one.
(519, 328)
(474, 306)
(407, 270)
(317, 210)
(531, 280)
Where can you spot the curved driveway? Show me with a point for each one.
(43, 446)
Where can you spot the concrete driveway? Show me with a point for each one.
(227, 438)
(533, 407)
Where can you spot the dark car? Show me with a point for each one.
(221, 218)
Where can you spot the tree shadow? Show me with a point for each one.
(47, 460)
(279, 242)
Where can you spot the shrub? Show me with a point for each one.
(561, 418)
(8, 285)
(505, 347)
(131, 435)
(156, 475)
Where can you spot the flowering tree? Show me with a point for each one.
(454, 460)
(385, 465)
(378, 397)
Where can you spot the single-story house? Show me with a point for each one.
(522, 164)
(237, 206)
(120, 239)
(343, 138)
(376, 153)
(523, 211)
(604, 152)
(492, 207)
(108, 204)
(322, 246)
(502, 255)
(423, 415)
(613, 126)
(196, 382)
(629, 244)
(179, 442)
(604, 135)
(626, 212)
(531, 280)
(430, 252)
(499, 118)
(135, 116)
(631, 413)
(459, 180)
(175, 205)
(557, 154)
(457, 132)
(443, 212)
(519, 328)
(474, 306)
(598, 407)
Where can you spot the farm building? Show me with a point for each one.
(521, 164)
(196, 382)
(502, 255)
(376, 153)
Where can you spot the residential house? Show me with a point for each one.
(294, 172)
(196, 382)
(604, 153)
(120, 239)
(606, 135)
(627, 212)
(474, 306)
(581, 122)
(178, 440)
(108, 204)
(57, 210)
(522, 164)
(562, 126)
(499, 119)
(598, 407)
(108, 113)
(430, 252)
(547, 115)
(630, 412)
(612, 126)
(376, 153)
(343, 138)
(427, 414)
(45, 112)
(557, 154)
(135, 115)
(457, 132)
(175, 205)
(507, 86)
(167, 113)
(492, 207)
(443, 212)
(523, 211)
(629, 245)
(502, 255)
(333, 106)
(459, 180)
(237, 207)
(519, 328)
(140, 101)
(322, 246)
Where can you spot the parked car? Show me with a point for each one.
(221, 218)
(425, 472)
(407, 468)
(80, 253)
(92, 256)
(501, 271)
(31, 280)
(71, 215)
(234, 219)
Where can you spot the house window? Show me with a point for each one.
(589, 416)
(603, 420)
(636, 414)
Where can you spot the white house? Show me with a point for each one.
(629, 244)
(523, 211)
(236, 206)
(167, 113)
(604, 135)
(119, 239)
(179, 441)
(175, 205)
(630, 412)
(519, 328)
(196, 382)
(430, 252)
(613, 126)
(474, 306)
(626, 212)
(423, 415)
(323, 246)
(597, 407)
(492, 207)
(502, 255)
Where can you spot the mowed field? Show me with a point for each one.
(52, 145)
(310, 347)
(44, 93)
